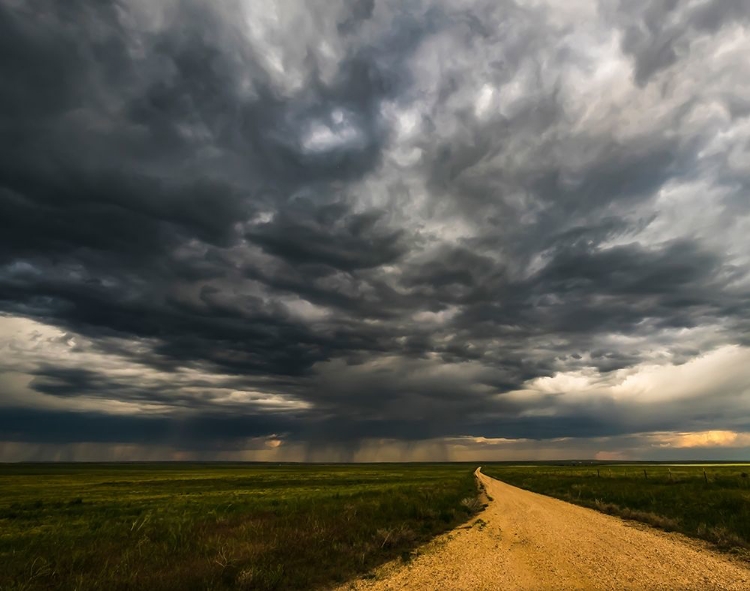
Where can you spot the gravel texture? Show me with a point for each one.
(524, 540)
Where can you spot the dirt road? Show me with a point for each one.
(528, 541)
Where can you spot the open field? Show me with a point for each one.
(242, 526)
(674, 497)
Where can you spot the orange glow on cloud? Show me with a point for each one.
(705, 439)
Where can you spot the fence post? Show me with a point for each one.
(705, 476)
(645, 475)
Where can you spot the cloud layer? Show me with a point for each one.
(321, 228)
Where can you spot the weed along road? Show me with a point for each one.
(524, 540)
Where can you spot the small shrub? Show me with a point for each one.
(472, 504)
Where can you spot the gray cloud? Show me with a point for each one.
(337, 222)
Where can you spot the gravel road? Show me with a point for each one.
(524, 540)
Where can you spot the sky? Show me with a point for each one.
(374, 230)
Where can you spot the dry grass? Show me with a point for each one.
(178, 527)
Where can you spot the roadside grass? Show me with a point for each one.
(714, 506)
(208, 526)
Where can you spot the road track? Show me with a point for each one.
(524, 540)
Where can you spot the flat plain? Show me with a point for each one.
(218, 526)
(296, 526)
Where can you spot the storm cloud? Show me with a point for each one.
(374, 230)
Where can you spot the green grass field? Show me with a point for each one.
(678, 497)
(242, 526)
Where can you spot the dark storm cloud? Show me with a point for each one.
(390, 217)
(328, 237)
(657, 32)
(189, 432)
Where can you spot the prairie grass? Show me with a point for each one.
(208, 526)
(708, 501)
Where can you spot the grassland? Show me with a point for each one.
(176, 526)
(714, 506)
